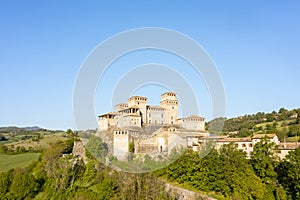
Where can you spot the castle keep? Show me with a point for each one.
(151, 129)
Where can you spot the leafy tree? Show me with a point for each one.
(97, 148)
(24, 186)
(264, 162)
(227, 172)
(131, 147)
(2, 138)
(289, 173)
(270, 117)
(294, 130)
(298, 118)
(69, 132)
(6, 179)
(90, 172)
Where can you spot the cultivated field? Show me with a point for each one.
(8, 162)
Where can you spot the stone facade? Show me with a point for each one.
(136, 113)
(152, 129)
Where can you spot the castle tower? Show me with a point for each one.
(141, 103)
(170, 103)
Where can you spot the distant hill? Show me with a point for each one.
(10, 129)
(16, 129)
(285, 123)
(32, 128)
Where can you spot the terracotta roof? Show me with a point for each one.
(195, 116)
(260, 136)
(289, 145)
(235, 140)
(192, 116)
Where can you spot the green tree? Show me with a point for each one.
(131, 147)
(289, 173)
(69, 132)
(298, 118)
(264, 162)
(2, 138)
(24, 186)
(6, 179)
(97, 148)
(294, 130)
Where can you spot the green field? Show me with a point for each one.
(8, 162)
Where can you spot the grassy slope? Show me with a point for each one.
(8, 162)
(45, 142)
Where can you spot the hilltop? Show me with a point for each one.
(285, 123)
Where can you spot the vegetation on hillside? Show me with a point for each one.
(229, 173)
(285, 123)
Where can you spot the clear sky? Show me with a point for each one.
(254, 44)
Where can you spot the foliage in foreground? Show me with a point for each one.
(228, 172)
(58, 177)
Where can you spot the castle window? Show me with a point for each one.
(149, 114)
(244, 145)
(250, 145)
(162, 115)
(172, 107)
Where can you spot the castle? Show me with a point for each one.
(150, 129)
(156, 130)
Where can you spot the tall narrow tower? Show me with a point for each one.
(140, 102)
(170, 103)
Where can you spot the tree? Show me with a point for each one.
(6, 179)
(69, 132)
(298, 118)
(294, 130)
(131, 147)
(264, 162)
(97, 148)
(2, 138)
(289, 173)
(24, 186)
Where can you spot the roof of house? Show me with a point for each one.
(192, 117)
(260, 136)
(289, 145)
(235, 140)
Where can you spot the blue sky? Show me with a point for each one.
(254, 44)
